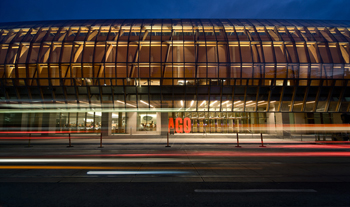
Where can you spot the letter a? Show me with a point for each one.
(171, 124)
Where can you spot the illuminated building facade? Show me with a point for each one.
(131, 76)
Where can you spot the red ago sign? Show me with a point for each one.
(179, 128)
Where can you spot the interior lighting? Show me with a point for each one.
(297, 104)
(182, 103)
(130, 105)
(192, 102)
(202, 103)
(213, 103)
(225, 102)
(144, 102)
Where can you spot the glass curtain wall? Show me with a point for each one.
(221, 73)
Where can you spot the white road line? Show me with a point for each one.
(255, 191)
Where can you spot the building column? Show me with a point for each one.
(120, 122)
(271, 123)
(279, 124)
(38, 121)
(132, 122)
(281, 119)
(24, 122)
(48, 122)
(106, 124)
(336, 118)
(299, 118)
(1, 121)
(162, 121)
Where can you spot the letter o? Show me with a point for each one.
(178, 127)
(187, 125)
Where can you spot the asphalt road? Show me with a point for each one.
(186, 174)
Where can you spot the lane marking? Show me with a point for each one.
(255, 191)
(134, 172)
(28, 167)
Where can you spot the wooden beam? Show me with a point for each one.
(62, 37)
(39, 70)
(9, 38)
(9, 70)
(100, 71)
(78, 52)
(13, 59)
(168, 51)
(108, 52)
(23, 49)
(255, 53)
(137, 53)
(274, 35)
(249, 35)
(121, 32)
(40, 35)
(346, 33)
(67, 72)
(45, 57)
(91, 35)
(345, 53)
(314, 53)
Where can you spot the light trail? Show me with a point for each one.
(255, 191)
(33, 138)
(134, 172)
(35, 167)
(302, 129)
(47, 132)
(74, 160)
(163, 157)
(85, 157)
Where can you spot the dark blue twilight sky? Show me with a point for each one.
(31, 10)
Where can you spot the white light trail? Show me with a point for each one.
(75, 160)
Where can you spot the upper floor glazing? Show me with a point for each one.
(175, 41)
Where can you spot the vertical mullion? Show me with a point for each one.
(341, 96)
(257, 95)
(306, 95)
(317, 96)
(149, 66)
(326, 108)
(245, 96)
(172, 62)
(281, 96)
(161, 82)
(206, 56)
(293, 98)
